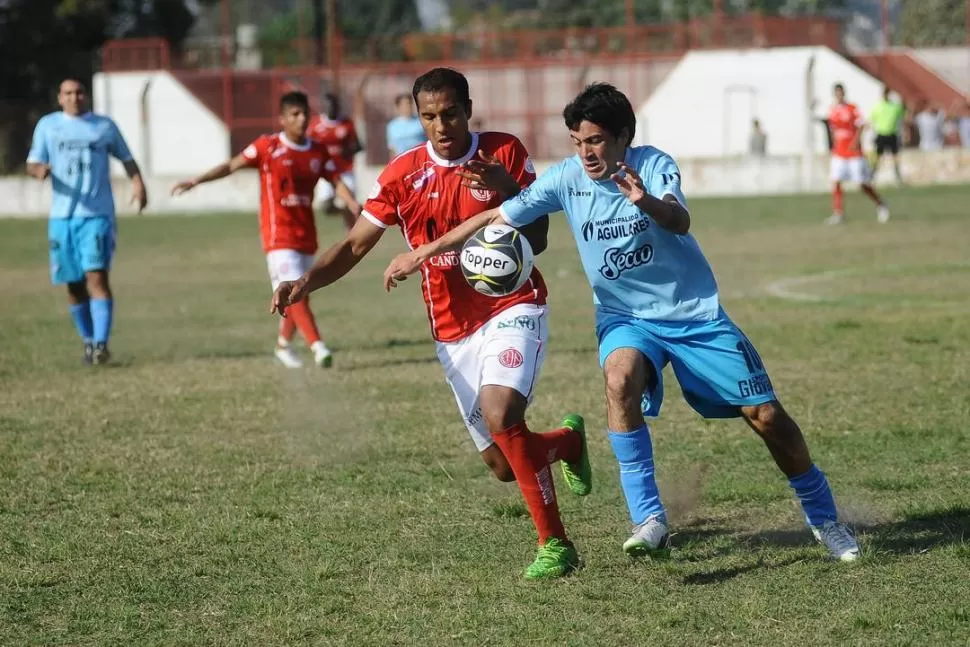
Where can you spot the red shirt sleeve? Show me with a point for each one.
(518, 162)
(382, 201)
(255, 152)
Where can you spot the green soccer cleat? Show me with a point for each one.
(578, 475)
(555, 558)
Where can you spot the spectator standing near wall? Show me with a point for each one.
(404, 131)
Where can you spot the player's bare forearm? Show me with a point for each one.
(340, 258)
(38, 170)
(345, 194)
(132, 170)
(668, 213)
(537, 233)
(456, 237)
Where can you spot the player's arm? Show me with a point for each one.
(119, 149)
(225, 169)
(669, 211)
(39, 159)
(329, 266)
(488, 172)
(344, 193)
(527, 208)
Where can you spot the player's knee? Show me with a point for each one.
(767, 419)
(78, 291)
(502, 407)
(97, 283)
(496, 462)
(623, 389)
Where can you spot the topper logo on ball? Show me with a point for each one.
(483, 263)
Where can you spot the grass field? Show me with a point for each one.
(198, 494)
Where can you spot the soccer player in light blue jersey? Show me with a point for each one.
(72, 147)
(656, 303)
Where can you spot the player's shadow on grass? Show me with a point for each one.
(917, 533)
(920, 532)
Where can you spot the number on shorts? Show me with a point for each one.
(751, 358)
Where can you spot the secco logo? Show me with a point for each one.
(510, 358)
(616, 261)
(490, 263)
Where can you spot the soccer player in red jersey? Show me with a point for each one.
(848, 163)
(290, 165)
(490, 348)
(338, 134)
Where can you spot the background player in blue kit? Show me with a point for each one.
(656, 303)
(72, 147)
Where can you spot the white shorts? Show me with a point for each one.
(855, 169)
(506, 351)
(287, 265)
(325, 190)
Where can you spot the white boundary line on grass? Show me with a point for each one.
(788, 287)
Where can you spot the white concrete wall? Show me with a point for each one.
(171, 133)
(951, 63)
(21, 196)
(705, 106)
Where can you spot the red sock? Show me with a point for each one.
(869, 191)
(837, 198)
(287, 328)
(527, 459)
(560, 445)
(303, 318)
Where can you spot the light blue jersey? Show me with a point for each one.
(77, 150)
(634, 266)
(404, 133)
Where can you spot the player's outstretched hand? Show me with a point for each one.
(399, 268)
(184, 187)
(287, 293)
(486, 172)
(629, 183)
(139, 196)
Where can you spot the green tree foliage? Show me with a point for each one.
(932, 22)
(43, 41)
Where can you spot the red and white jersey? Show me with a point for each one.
(845, 121)
(423, 194)
(338, 136)
(288, 173)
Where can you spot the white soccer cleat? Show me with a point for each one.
(649, 538)
(287, 357)
(882, 213)
(839, 539)
(322, 356)
(835, 219)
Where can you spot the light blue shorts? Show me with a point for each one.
(718, 368)
(79, 245)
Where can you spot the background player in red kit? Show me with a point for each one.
(848, 163)
(490, 348)
(337, 132)
(290, 165)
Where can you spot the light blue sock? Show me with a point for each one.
(101, 311)
(812, 489)
(81, 314)
(634, 453)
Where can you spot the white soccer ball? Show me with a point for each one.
(497, 261)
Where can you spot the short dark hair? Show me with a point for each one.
(443, 78)
(84, 86)
(295, 99)
(605, 106)
(839, 86)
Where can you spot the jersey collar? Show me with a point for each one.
(293, 145)
(440, 161)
